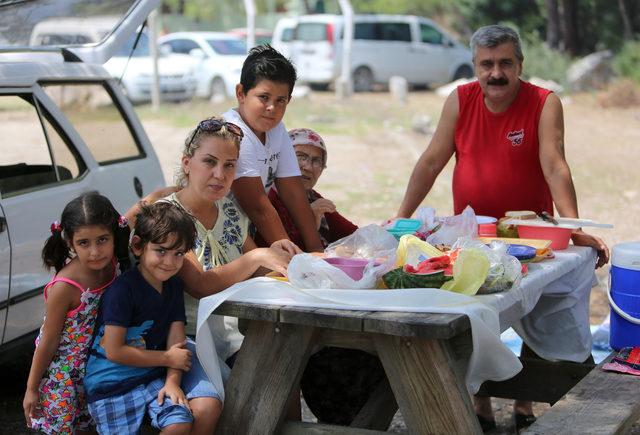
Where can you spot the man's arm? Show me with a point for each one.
(250, 194)
(433, 159)
(293, 196)
(554, 165)
(558, 175)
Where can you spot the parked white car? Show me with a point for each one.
(176, 72)
(65, 128)
(219, 58)
(412, 47)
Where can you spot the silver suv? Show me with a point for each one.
(65, 128)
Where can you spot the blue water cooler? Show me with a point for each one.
(624, 295)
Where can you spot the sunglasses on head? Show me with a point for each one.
(213, 125)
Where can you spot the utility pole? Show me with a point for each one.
(344, 83)
(153, 52)
(250, 7)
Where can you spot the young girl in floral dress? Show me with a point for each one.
(83, 249)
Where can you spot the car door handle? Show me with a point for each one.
(3, 224)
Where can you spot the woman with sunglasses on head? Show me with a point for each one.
(224, 253)
(312, 158)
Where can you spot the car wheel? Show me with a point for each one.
(362, 79)
(218, 91)
(463, 72)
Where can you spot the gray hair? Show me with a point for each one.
(494, 35)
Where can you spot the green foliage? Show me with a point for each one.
(526, 14)
(542, 61)
(627, 62)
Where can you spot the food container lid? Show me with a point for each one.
(522, 252)
(626, 255)
(406, 225)
(485, 220)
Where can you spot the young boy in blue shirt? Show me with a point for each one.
(266, 152)
(140, 360)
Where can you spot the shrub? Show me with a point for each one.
(627, 62)
(544, 62)
(622, 93)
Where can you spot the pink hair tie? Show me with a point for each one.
(56, 227)
(123, 222)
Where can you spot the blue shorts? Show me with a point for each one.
(123, 414)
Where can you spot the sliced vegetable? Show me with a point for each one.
(398, 278)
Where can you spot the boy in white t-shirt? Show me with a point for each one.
(266, 152)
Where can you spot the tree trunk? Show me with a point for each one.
(570, 27)
(307, 7)
(626, 21)
(553, 23)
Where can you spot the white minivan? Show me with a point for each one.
(412, 47)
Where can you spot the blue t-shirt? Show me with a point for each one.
(132, 302)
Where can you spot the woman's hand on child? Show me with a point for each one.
(30, 404)
(178, 357)
(321, 206)
(159, 194)
(287, 245)
(174, 393)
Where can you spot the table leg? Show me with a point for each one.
(432, 397)
(268, 368)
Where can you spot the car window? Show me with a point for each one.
(366, 31)
(142, 48)
(287, 34)
(183, 46)
(228, 46)
(26, 157)
(430, 35)
(394, 32)
(97, 119)
(62, 39)
(311, 32)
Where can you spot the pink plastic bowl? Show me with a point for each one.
(353, 267)
(559, 236)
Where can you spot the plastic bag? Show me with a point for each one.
(412, 250)
(427, 215)
(505, 270)
(454, 227)
(311, 272)
(371, 241)
(469, 272)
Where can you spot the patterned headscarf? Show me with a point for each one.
(306, 136)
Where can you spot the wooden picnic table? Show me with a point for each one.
(424, 356)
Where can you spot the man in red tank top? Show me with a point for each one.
(508, 139)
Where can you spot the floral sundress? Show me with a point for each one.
(63, 407)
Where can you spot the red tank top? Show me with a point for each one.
(497, 161)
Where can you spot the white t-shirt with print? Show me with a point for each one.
(274, 159)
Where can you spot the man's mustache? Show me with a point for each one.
(498, 82)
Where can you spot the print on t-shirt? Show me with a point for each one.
(516, 137)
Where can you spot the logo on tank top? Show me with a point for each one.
(516, 137)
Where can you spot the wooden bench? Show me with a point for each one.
(601, 403)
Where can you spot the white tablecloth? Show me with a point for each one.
(490, 360)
